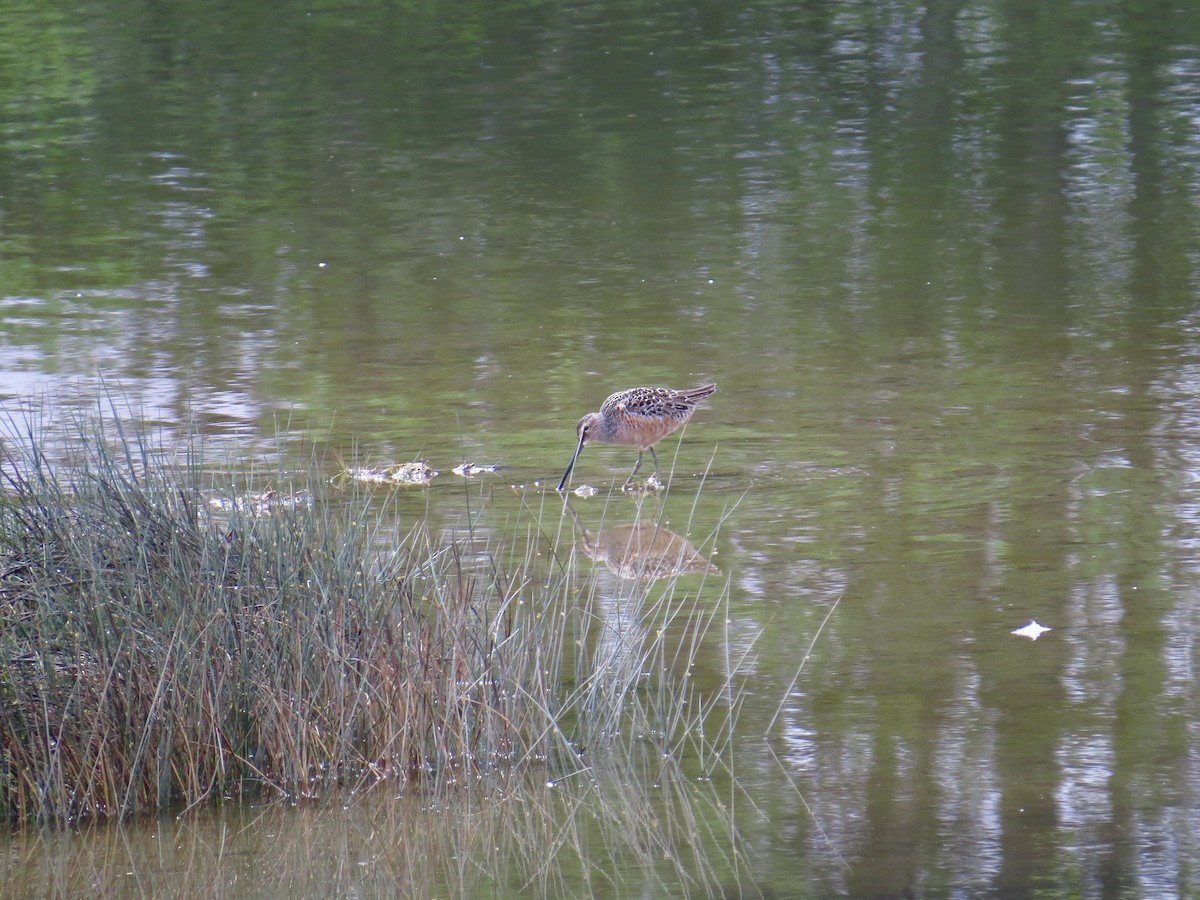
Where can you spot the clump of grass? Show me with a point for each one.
(158, 651)
(153, 654)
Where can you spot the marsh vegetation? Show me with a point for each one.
(166, 646)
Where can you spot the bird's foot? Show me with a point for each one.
(649, 486)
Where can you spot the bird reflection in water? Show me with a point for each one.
(642, 549)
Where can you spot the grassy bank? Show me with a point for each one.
(159, 650)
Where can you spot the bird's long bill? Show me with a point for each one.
(570, 465)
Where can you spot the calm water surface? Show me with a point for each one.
(941, 260)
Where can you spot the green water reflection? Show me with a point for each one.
(941, 260)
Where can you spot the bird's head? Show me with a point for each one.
(586, 428)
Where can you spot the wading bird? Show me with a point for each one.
(638, 417)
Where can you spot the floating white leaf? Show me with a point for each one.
(1032, 631)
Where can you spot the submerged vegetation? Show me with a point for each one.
(161, 651)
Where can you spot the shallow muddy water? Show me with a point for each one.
(941, 262)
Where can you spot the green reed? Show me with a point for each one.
(159, 651)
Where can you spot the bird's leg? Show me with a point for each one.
(654, 456)
(637, 465)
